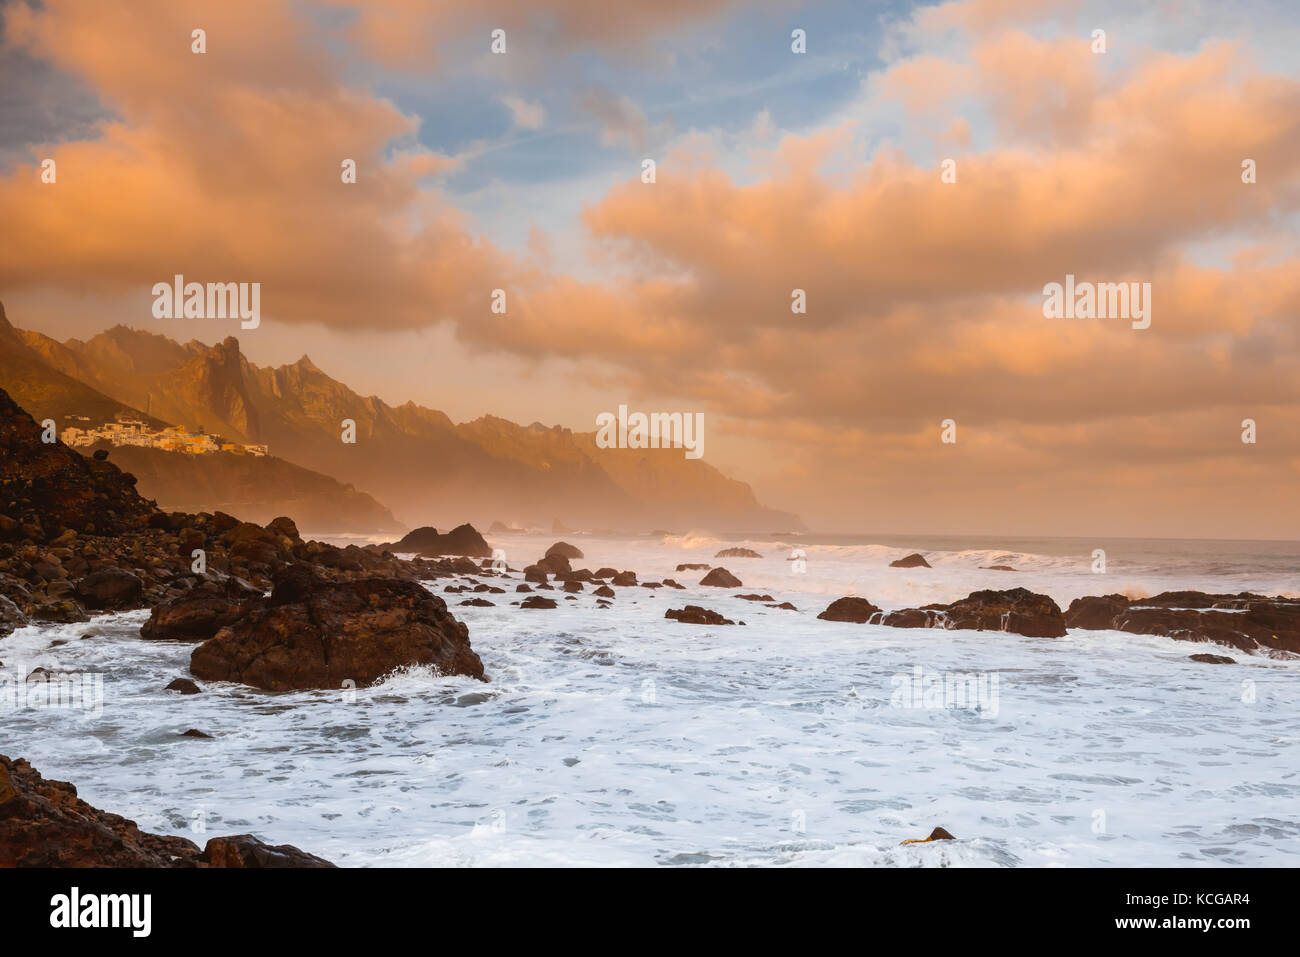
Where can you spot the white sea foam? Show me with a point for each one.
(616, 737)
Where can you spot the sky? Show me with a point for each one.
(775, 170)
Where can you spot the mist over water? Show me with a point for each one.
(618, 737)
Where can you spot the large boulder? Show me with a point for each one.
(244, 850)
(914, 560)
(110, 588)
(1017, 610)
(1095, 613)
(315, 633)
(721, 578)
(851, 608)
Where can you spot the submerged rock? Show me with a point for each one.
(695, 615)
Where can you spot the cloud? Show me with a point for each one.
(525, 115)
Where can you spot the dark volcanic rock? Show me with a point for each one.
(44, 824)
(850, 608)
(11, 616)
(201, 612)
(1018, 611)
(736, 553)
(537, 601)
(461, 540)
(604, 591)
(535, 573)
(721, 578)
(555, 565)
(914, 560)
(315, 633)
(695, 615)
(565, 549)
(195, 733)
(1213, 659)
(1245, 621)
(244, 850)
(109, 589)
(691, 567)
(1095, 613)
(184, 686)
(624, 579)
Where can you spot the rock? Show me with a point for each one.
(721, 578)
(1213, 659)
(624, 579)
(184, 686)
(784, 605)
(110, 589)
(283, 526)
(736, 553)
(691, 567)
(1248, 622)
(316, 633)
(695, 615)
(851, 608)
(604, 591)
(519, 588)
(938, 834)
(1018, 611)
(565, 550)
(672, 584)
(537, 601)
(997, 568)
(62, 612)
(555, 564)
(478, 603)
(195, 733)
(100, 454)
(201, 612)
(606, 572)
(915, 560)
(535, 573)
(756, 597)
(573, 586)
(44, 824)
(244, 850)
(1095, 613)
(461, 540)
(11, 616)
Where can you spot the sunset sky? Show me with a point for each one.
(775, 171)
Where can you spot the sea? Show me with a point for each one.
(618, 737)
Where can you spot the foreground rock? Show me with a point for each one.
(44, 824)
(1016, 610)
(200, 613)
(315, 633)
(1244, 621)
(914, 560)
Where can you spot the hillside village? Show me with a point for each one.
(173, 438)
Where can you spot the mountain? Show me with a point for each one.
(428, 469)
(53, 380)
(256, 489)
